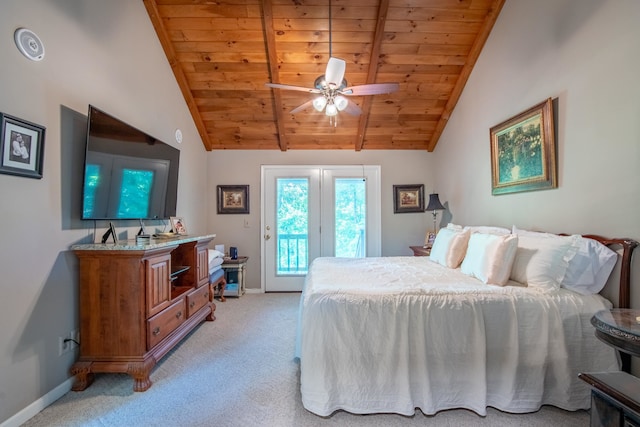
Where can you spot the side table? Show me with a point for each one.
(234, 273)
(619, 328)
(420, 251)
(614, 395)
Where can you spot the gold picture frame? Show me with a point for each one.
(523, 151)
(177, 225)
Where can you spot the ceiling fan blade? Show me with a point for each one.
(353, 109)
(302, 107)
(335, 72)
(290, 87)
(370, 89)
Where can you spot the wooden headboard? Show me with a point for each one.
(628, 245)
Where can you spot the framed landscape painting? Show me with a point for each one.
(523, 151)
(233, 199)
(408, 198)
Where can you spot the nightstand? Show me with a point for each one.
(234, 273)
(420, 251)
(614, 395)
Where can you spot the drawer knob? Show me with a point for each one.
(156, 331)
(178, 314)
(193, 303)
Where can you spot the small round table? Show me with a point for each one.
(620, 328)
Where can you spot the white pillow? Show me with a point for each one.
(542, 261)
(449, 247)
(488, 229)
(589, 270)
(490, 257)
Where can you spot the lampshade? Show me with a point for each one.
(331, 110)
(319, 103)
(434, 203)
(341, 102)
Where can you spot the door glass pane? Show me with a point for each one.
(350, 217)
(292, 226)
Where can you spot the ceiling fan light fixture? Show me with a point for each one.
(319, 103)
(331, 110)
(341, 102)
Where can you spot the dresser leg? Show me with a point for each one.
(140, 372)
(83, 374)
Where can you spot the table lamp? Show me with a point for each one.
(434, 206)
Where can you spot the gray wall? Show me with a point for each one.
(399, 231)
(584, 53)
(99, 52)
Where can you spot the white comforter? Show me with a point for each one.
(393, 334)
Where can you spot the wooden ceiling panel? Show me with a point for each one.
(223, 52)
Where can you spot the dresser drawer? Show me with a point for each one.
(197, 299)
(165, 322)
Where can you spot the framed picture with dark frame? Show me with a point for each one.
(233, 199)
(408, 198)
(22, 147)
(523, 151)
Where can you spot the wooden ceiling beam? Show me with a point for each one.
(272, 59)
(383, 10)
(183, 83)
(478, 44)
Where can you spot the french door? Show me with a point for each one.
(312, 211)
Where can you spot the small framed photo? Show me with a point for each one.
(22, 147)
(408, 198)
(429, 239)
(177, 225)
(233, 199)
(523, 151)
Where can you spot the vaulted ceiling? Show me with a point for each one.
(222, 53)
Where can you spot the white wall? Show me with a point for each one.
(399, 231)
(101, 52)
(584, 53)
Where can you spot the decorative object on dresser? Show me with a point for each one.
(137, 302)
(523, 151)
(177, 225)
(408, 198)
(22, 147)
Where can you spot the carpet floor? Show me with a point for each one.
(240, 371)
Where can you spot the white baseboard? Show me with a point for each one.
(33, 409)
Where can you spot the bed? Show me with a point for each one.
(392, 334)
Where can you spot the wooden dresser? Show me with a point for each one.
(137, 301)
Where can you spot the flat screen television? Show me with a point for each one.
(128, 174)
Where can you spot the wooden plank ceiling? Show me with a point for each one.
(222, 53)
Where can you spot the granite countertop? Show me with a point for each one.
(133, 245)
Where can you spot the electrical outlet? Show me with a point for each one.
(68, 343)
(63, 345)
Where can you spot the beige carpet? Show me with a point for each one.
(239, 371)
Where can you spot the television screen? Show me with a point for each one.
(128, 174)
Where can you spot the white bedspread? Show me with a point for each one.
(393, 334)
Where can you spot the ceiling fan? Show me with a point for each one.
(333, 88)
